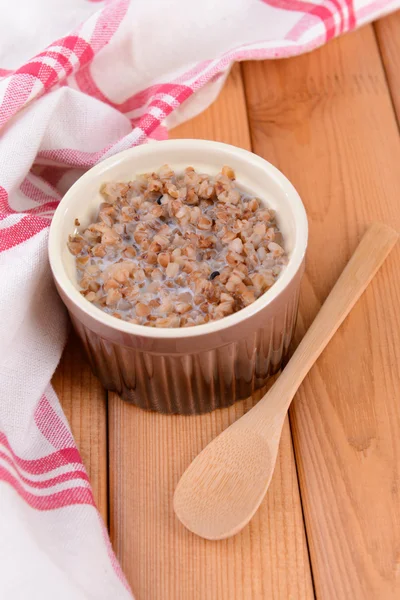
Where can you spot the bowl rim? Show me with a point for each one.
(102, 318)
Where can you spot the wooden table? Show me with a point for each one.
(330, 524)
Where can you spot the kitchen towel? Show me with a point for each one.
(79, 81)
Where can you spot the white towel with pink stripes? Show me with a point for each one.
(79, 81)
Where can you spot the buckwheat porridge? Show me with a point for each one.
(176, 250)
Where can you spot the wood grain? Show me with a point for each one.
(388, 35)
(149, 452)
(84, 403)
(326, 120)
(242, 458)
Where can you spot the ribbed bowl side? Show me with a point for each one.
(196, 382)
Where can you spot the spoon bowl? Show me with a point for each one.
(227, 496)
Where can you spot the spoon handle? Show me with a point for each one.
(371, 252)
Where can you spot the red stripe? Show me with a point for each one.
(71, 475)
(22, 231)
(22, 81)
(29, 189)
(183, 93)
(340, 12)
(80, 47)
(51, 425)
(74, 47)
(161, 105)
(57, 56)
(352, 17)
(39, 466)
(5, 208)
(87, 84)
(46, 74)
(318, 10)
(70, 497)
(17, 93)
(107, 23)
(33, 193)
(149, 123)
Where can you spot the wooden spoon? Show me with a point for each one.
(223, 487)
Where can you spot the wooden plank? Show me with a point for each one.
(388, 36)
(84, 403)
(326, 120)
(149, 452)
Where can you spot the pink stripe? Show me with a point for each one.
(307, 17)
(71, 475)
(36, 70)
(39, 466)
(16, 95)
(352, 19)
(5, 208)
(70, 497)
(77, 158)
(341, 12)
(22, 231)
(87, 84)
(61, 58)
(30, 190)
(149, 123)
(5, 72)
(109, 20)
(318, 10)
(371, 9)
(161, 105)
(33, 193)
(22, 81)
(302, 26)
(262, 53)
(51, 425)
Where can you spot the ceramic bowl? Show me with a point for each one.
(195, 369)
